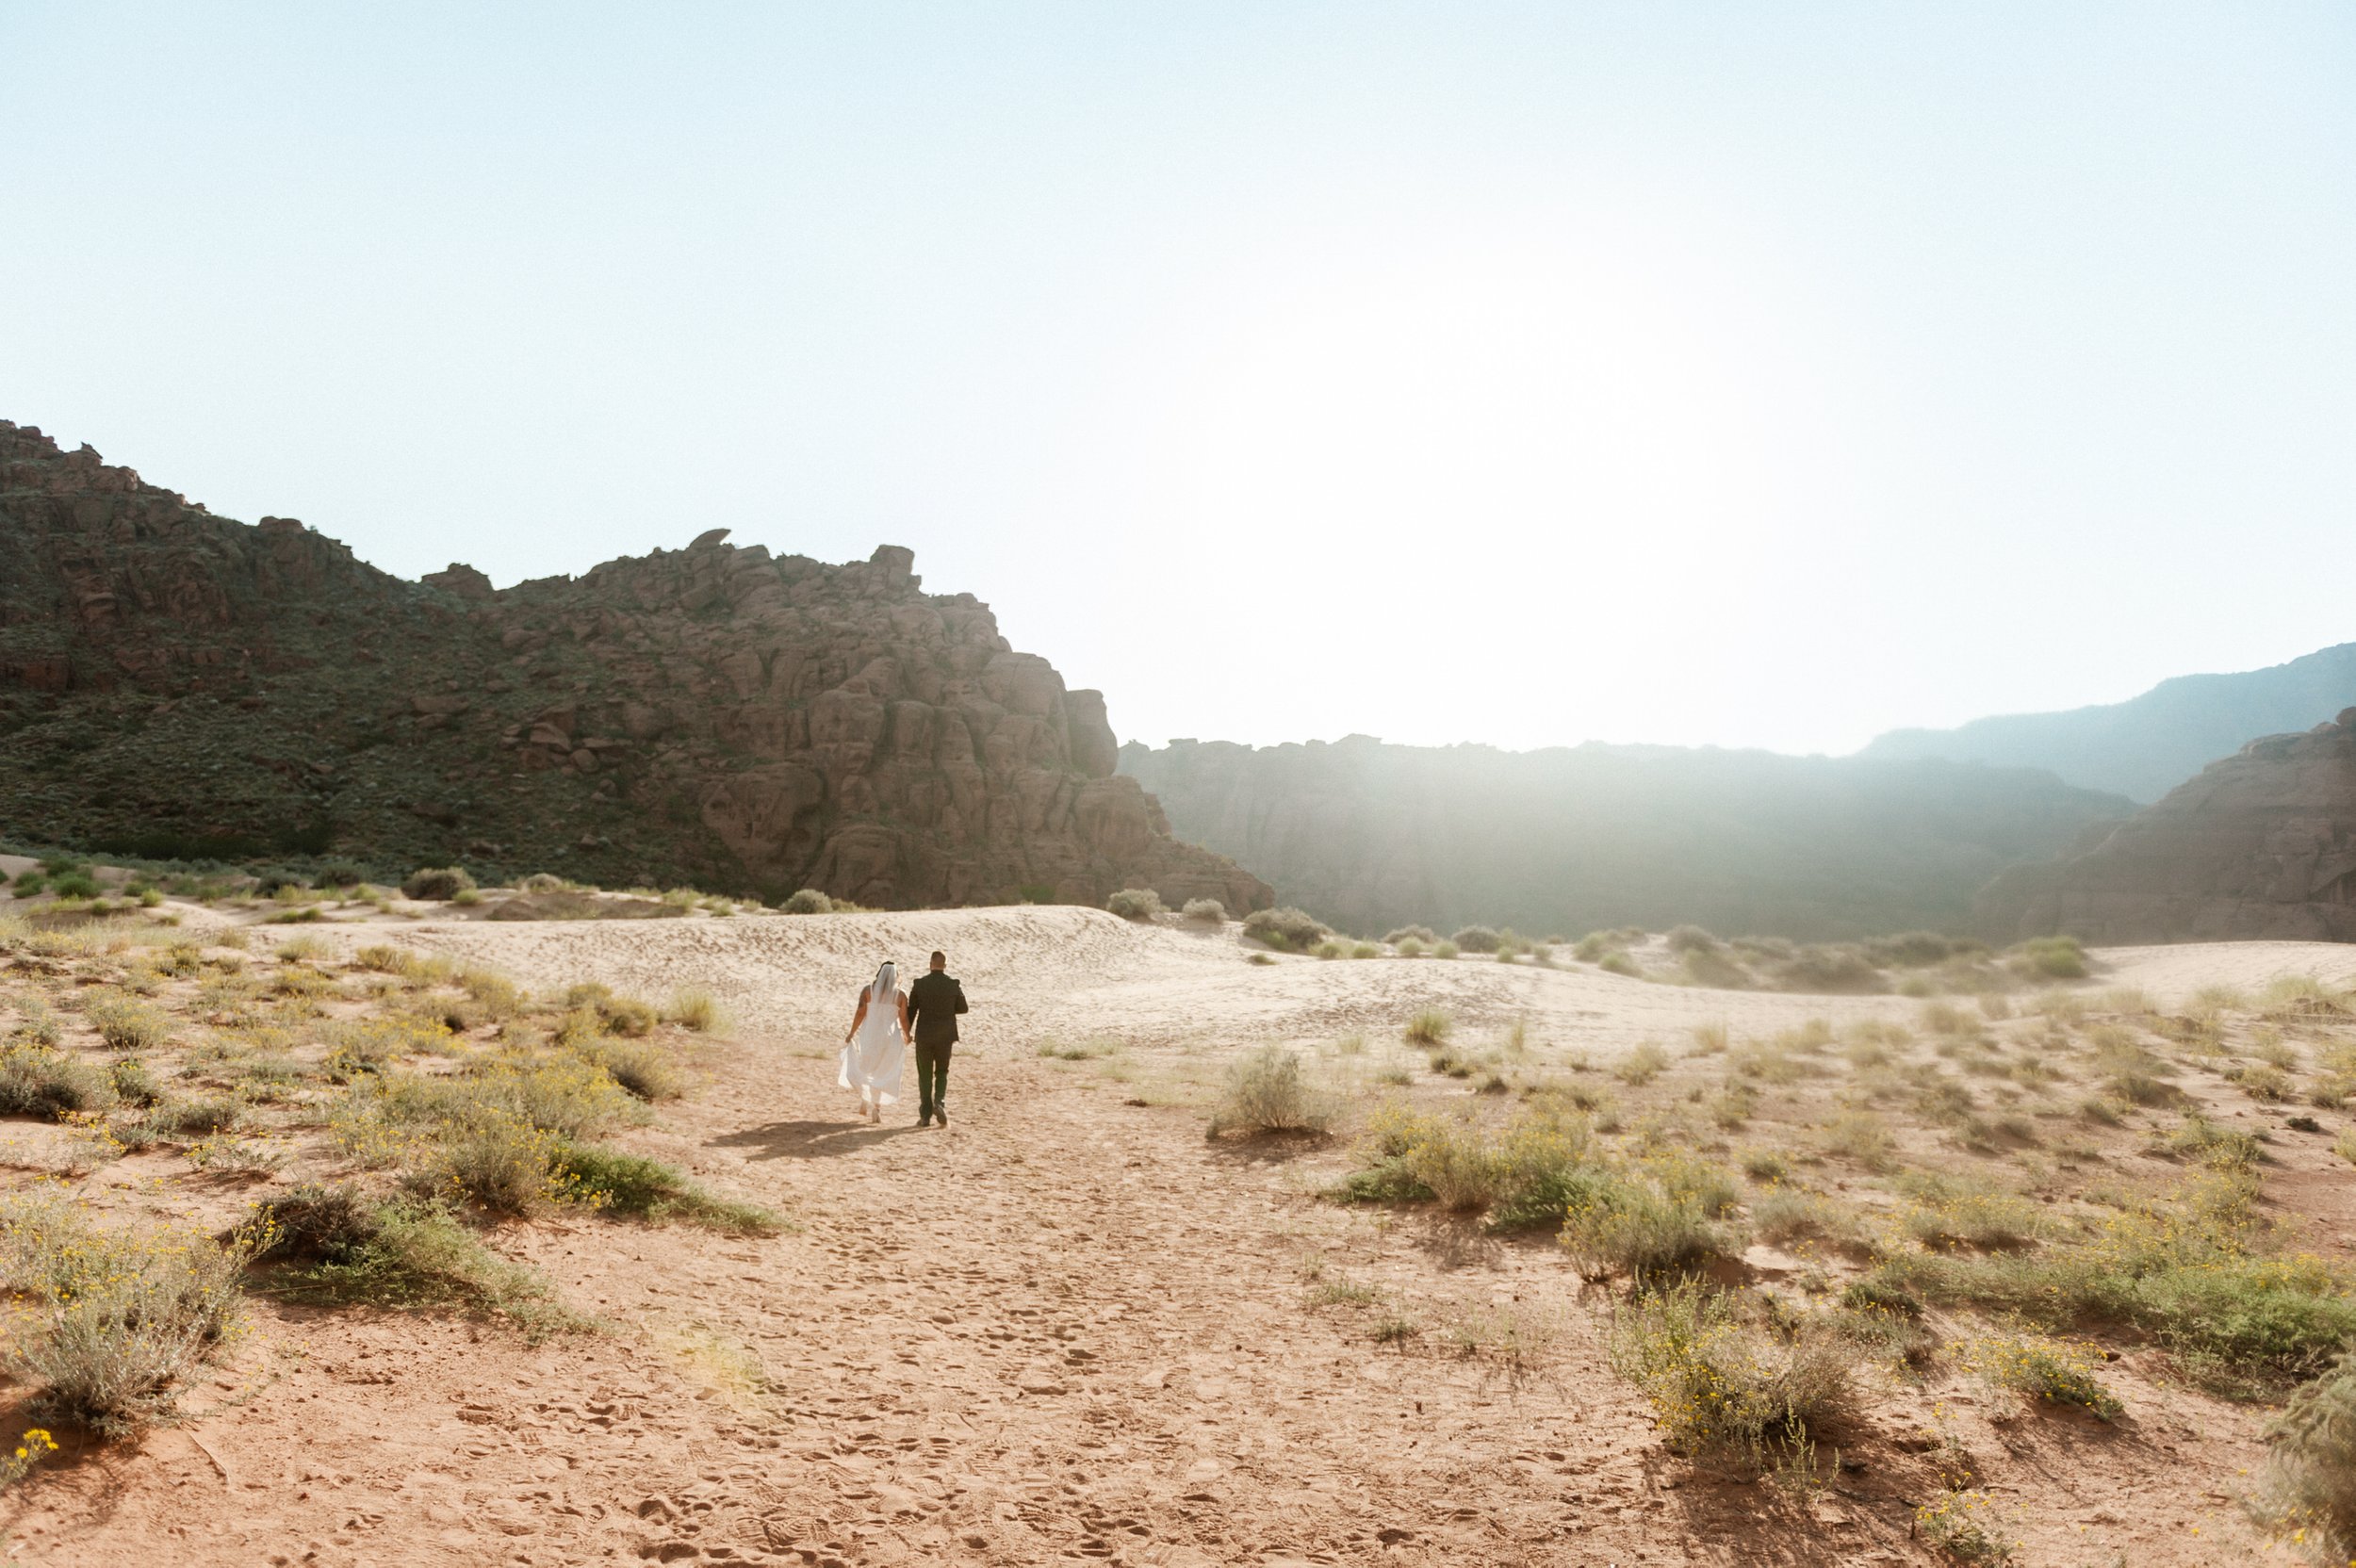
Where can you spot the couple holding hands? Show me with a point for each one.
(889, 1020)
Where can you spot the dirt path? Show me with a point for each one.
(1066, 1329)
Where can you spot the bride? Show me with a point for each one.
(872, 1052)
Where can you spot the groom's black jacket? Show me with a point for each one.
(934, 1002)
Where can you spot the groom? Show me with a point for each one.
(934, 1002)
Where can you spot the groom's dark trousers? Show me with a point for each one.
(934, 1002)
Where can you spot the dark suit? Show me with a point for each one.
(934, 1002)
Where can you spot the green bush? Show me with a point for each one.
(402, 1255)
(126, 1024)
(2057, 1372)
(1419, 934)
(1476, 938)
(438, 884)
(1430, 1027)
(2048, 958)
(1647, 1220)
(1720, 1386)
(1204, 911)
(1135, 904)
(1525, 1177)
(116, 1320)
(692, 1007)
(1265, 1093)
(1285, 929)
(1690, 939)
(134, 1085)
(2310, 1482)
(633, 1186)
(810, 901)
(38, 1080)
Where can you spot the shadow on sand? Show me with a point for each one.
(807, 1140)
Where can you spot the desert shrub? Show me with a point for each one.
(1204, 911)
(1690, 939)
(1332, 950)
(74, 884)
(40, 1080)
(2194, 1268)
(1648, 1219)
(1446, 950)
(1860, 1135)
(1420, 934)
(1430, 1027)
(134, 1085)
(2212, 1143)
(1642, 1065)
(1711, 1040)
(633, 1186)
(114, 1321)
(2048, 958)
(646, 1069)
(1721, 1386)
(2265, 1083)
(1618, 963)
(1830, 969)
(1787, 1214)
(1948, 1214)
(36, 1025)
(1285, 929)
(1265, 1093)
(497, 1159)
(810, 901)
(1525, 1177)
(2309, 1489)
(692, 1007)
(407, 1254)
(1714, 968)
(1476, 938)
(436, 883)
(2060, 1372)
(1963, 1521)
(1365, 950)
(126, 1024)
(1135, 904)
(206, 1116)
(615, 1015)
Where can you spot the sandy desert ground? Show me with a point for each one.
(1071, 1328)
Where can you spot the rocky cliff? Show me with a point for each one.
(182, 685)
(2261, 845)
(1370, 836)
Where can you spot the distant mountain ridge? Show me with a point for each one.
(2147, 745)
(1371, 836)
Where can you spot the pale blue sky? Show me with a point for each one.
(1747, 374)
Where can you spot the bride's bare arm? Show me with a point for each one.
(858, 1018)
(908, 1030)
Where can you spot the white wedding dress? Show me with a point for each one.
(872, 1060)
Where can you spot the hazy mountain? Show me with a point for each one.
(1371, 836)
(2259, 845)
(2147, 745)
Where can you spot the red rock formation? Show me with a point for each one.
(2261, 845)
(711, 714)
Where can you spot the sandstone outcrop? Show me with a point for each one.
(2261, 845)
(179, 684)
